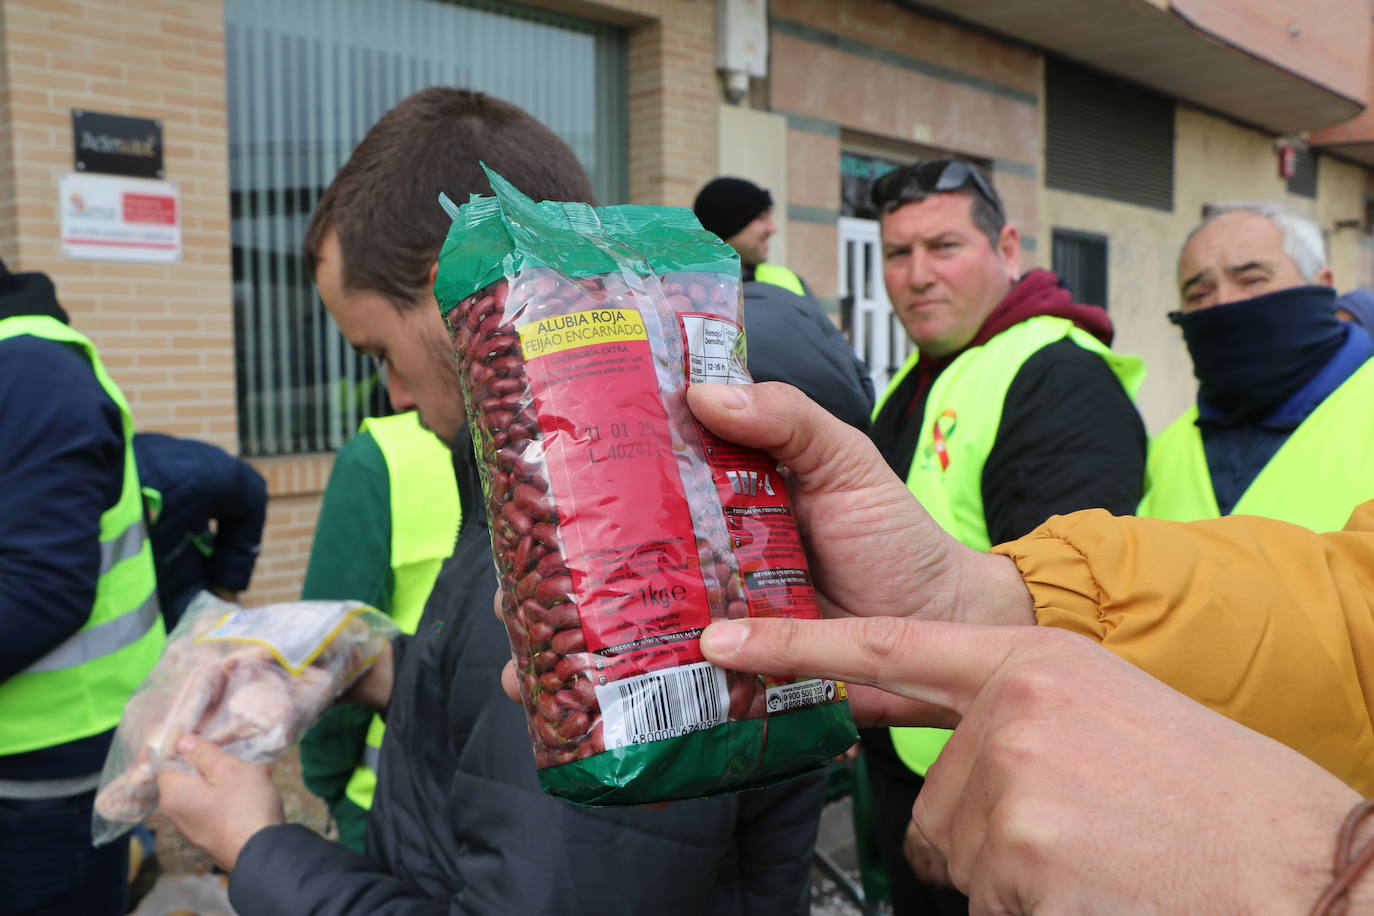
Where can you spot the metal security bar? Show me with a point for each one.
(306, 79)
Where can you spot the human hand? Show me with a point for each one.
(925, 860)
(873, 550)
(219, 807)
(374, 687)
(1075, 782)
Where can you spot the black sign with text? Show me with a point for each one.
(117, 144)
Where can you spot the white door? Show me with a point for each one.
(875, 333)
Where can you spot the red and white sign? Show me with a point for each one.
(110, 218)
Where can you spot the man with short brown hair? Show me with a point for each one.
(1012, 409)
(459, 824)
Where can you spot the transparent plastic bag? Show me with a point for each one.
(251, 680)
(620, 526)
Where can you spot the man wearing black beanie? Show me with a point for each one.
(790, 338)
(741, 213)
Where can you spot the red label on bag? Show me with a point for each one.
(623, 516)
(758, 515)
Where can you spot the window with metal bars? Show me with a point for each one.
(1304, 180)
(1080, 259)
(306, 79)
(1107, 138)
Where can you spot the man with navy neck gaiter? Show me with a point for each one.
(1284, 425)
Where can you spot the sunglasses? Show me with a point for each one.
(934, 176)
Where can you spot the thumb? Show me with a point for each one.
(205, 756)
(825, 453)
(944, 664)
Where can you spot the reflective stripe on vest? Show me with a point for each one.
(958, 429)
(79, 688)
(425, 516)
(103, 639)
(1316, 478)
(779, 276)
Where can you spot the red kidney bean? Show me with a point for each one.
(573, 726)
(567, 699)
(596, 737)
(560, 616)
(568, 668)
(541, 634)
(549, 708)
(546, 533)
(551, 565)
(519, 522)
(586, 692)
(534, 502)
(553, 591)
(742, 688)
(566, 642)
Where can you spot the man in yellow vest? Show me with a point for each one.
(389, 519)
(1281, 427)
(741, 213)
(1011, 409)
(79, 621)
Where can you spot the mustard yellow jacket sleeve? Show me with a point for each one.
(1262, 621)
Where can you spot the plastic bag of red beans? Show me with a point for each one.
(620, 526)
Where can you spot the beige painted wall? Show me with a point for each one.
(1215, 160)
(753, 145)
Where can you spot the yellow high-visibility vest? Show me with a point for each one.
(779, 276)
(958, 429)
(425, 516)
(1316, 478)
(80, 687)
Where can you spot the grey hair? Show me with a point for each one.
(1302, 239)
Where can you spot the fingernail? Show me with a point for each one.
(732, 397)
(186, 743)
(725, 637)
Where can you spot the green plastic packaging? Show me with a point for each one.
(620, 526)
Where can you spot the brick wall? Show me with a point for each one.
(166, 331)
(870, 70)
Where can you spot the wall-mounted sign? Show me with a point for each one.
(106, 218)
(116, 144)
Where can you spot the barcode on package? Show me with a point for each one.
(663, 704)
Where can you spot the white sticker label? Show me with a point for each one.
(663, 704)
(712, 354)
(296, 632)
(798, 694)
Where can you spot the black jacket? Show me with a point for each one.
(200, 483)
(460, 826)
(791, 340)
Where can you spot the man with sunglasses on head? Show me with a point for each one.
(1012, 409)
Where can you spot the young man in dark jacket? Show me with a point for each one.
(459, 824)
(1012, 409)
